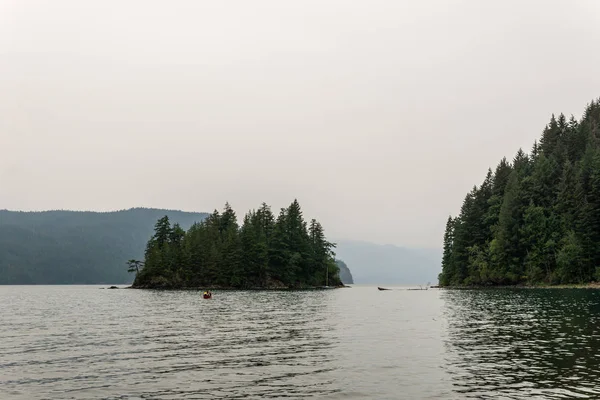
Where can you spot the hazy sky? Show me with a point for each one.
(378, 116)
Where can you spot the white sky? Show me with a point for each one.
(378, 115)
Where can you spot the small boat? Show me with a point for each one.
(207, 295)
(380, 288)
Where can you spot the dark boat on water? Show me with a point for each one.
(419, 288)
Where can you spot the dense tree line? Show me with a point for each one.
(265, 251)
(75, 247)
(535, 219)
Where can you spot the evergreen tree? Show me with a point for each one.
(545, 175)
(499, 181)
(463, 239)
(321, 257)
(447, 274)
(567, 200)
(279, 251)
(162, 231)
(255, 249)
(550, 137)
(505, 247)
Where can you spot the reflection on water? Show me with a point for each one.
(524, 343)
(77, 342)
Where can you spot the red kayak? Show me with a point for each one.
(207, 295)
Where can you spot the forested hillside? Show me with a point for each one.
(535, 219)
(67, 247)
(264, 252)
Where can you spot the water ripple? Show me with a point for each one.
(523, 343)
(83, 343)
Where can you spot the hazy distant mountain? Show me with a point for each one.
(64, 247)
(345, 274)
(387, 264)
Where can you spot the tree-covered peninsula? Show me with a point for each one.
(535, 220)
(264, 252)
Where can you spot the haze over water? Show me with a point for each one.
(79, 342)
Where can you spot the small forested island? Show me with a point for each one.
(535, 220)
(265, 252)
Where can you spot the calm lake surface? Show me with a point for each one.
(79, 342)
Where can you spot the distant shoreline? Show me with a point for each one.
(590, 285)
(229, 288)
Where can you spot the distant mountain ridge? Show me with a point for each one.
(77, 247)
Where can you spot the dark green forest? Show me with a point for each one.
(264, 252)
(535, 219)
(72, 247)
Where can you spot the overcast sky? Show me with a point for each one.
(378, 116)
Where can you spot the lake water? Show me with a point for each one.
(80, 342)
